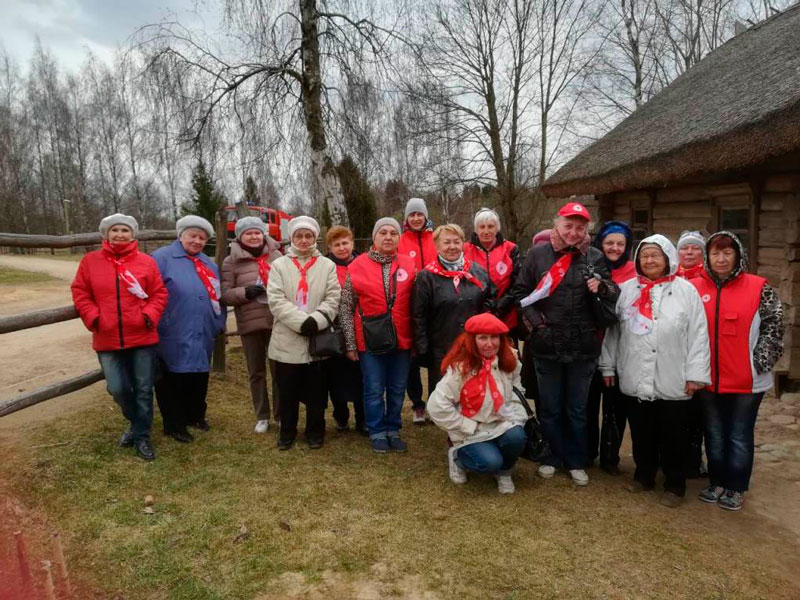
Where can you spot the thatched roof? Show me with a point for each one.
(737, 107)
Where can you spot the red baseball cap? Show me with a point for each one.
(574, 209)
(485, 323)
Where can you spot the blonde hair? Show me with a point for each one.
(448, 228)
(336, 232)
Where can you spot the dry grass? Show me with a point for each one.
(343, 522)
(9, 276)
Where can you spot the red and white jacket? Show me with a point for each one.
(419, 246)
(502, 263)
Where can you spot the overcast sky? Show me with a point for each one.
(68, 27)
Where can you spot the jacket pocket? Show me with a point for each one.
(728, 326)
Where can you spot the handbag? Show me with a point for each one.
(327, 342)
(536, 446)
(380, 336)
(604, 311)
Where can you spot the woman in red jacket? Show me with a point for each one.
(119, 296)
(745, 328)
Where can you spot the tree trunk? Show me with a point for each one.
(327, 189)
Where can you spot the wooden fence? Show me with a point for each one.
(66, 313)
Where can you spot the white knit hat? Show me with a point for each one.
(485, 214)
(386, 221)
(118, 219)
(691, 237)
(415, 205)
(247, 223)
(304, 222)
(193, 221)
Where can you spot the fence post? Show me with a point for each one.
(218, 357)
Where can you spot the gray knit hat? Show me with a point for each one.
(415, 205)
(304, 222)
(118, 219)
(193, 221)
(386, 221)
(246, 223)
(691, 237)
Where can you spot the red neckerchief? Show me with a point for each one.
(473, 392)
(691, 272)
(210, 282)
(551, 280)
(263, 268)
(118, 255)
(301, 299)
(435, 267)
(640, 310)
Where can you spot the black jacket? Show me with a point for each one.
(564, 324)
(439, 311)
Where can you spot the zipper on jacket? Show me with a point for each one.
(119, 314)
(421, 251)
(716, 341)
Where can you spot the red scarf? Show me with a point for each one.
(551, 280)
(210, 282)
(691, 272)
(118, 255)
(436, 267)
(301, 299)
(263, 269)
(473, 393)
(640, 311)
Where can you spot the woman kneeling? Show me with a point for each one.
(475, 403)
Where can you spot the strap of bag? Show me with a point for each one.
(524, 401)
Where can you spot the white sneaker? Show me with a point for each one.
(546, 471)
(457, 474)
(579, 477)
(504, 484)
(262, 426)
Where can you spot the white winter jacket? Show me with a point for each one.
(444, 407)
(287, 344)
(657, 365)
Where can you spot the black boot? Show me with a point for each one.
(145, 450)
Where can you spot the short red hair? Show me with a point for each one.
(464, 356)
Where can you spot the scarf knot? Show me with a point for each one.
(473, 392)
(640, 311)
(301, 297)
(118, 255)
(438, 268)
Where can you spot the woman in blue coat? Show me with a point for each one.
(192, 320)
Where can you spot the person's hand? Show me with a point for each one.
(490, 306)
(593, 284)
(609, 380)
(692, 387)
(352, 355)
(254, 291)
(95, 324)
(309, 326)
(147, 322)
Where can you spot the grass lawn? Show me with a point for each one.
(9, 276)
(236, 519)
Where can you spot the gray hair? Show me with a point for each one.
(486, 215)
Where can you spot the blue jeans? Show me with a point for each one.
(129, 377)
(384, 373)
(563, 394)
(730, 421)
(495, 456)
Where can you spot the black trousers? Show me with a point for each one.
(181, 398)
(345, 385)
(614, 405)
(302, 383)
(694, 448)
(658, 432)
(414, 385)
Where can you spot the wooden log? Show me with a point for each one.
(679, 210)
(51, 391)
(772, 220)
(683, 194)
(218, 356)
(23, 240)
(37, 318)
(782, 183)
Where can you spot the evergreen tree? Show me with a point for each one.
(204, 199)
(251, 195)
(359, 199)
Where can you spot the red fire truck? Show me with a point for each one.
(276, 220)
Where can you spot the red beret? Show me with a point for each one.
(574, 209)
(485, 323)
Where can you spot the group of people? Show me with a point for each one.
(677, 342)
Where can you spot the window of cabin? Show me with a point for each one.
(640, 224)
(736, 220)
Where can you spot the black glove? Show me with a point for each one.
(309, 327)
(490, 306)
(254, 291)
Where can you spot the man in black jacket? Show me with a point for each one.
(564, 291)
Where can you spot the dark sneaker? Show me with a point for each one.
(711, 494)
(145, 450)
(342, 426)
(315, 444)
(380, 445)
(611, 469)
(184, 437)
(126, 441)
(731, 500)
(396, 444)
(637, 487)
(671, 500)
(362, 429)
(284, 444)
(201, 425)
(419, 416)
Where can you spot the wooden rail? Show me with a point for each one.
(51, 391)
(37, 318)
(24, 240)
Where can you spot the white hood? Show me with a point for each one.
(666, 246)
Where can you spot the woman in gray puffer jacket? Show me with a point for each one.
(245, 273)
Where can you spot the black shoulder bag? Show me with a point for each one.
(380, 336)
(327, 342)
(536, 447)
(604, 311)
